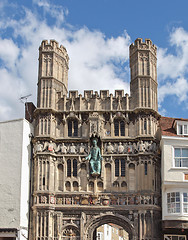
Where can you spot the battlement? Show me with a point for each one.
(53, 45)
(104, 94)
(140, 45)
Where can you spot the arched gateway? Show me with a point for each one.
(109, 218)
(96, 157)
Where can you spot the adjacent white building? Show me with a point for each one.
(174, 174)
(15, 155)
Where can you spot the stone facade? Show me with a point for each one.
(69, 203)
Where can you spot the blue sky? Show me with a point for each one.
(97, 35)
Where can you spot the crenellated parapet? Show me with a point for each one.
(143, 46)
(93, 101)
(53, 46)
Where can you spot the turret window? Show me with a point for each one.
(119, 128)
(72, 128)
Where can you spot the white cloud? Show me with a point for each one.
(173, 68)
(178, 88)
(96, 62)
(93, 58)
(56, 11)
(9, 52)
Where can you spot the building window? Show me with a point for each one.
(60, 177)
(175, 237)
(117, 168)
(123, 167)
(173, 202)
(120, 167)
(72, 164)
(182, 129)
(185, 202)
(146, 168)
(72, 128)
(75, 168)
(181, 157)
(119, 128)
(68, 168)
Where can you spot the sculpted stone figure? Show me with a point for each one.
(95, 159)
(135, 149)
(72, 148)
(109, 148)
(63, 148)
(38, 147)
(82, 148)
(129, 148)
(120, 148)
(49, 146)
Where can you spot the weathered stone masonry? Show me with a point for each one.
(67, 200)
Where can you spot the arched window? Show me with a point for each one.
(60, 177)
(119, 127)
(83, 177)
(68, 168)
(72, 128)
(75, 186)
(120, 167)
(116, 128)
(116, 184)
(123, 186)
(100, 186)
(75, 168)
(123, 167)
(122, 128)
(91, 186)
(68, 186)
(72, 168)
(131, 177)
(108, 176)
(146, 168)
(117, 167)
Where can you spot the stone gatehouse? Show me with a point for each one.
(68, 201)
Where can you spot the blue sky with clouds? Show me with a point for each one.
(97, 35)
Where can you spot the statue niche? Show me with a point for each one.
(95, 158)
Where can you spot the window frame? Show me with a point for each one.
(183, 125)
(180, 161)
(120, 167)
(166, 236)
(72, 168)
(119, 127)
(72, 127)
(172, 210)
(182, 203)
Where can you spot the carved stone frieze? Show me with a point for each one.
(61, 148)
(130, 147)
(101, 200)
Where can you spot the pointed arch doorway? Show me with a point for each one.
(116, 219)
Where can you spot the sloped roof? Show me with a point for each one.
(167, 126)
